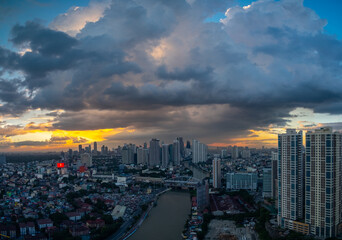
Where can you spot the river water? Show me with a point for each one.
(166, 220)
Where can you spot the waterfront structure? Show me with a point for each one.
(202, 195)
(216, 173)
(242, 180)
(165, 155)
(267, 182)
(199, 151)
(290, 178)
(155, 158)
(176, 152)
(323, 182)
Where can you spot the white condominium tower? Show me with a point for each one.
(323, 182)
(199, 152)
(290, 178)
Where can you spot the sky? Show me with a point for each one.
(225, 72)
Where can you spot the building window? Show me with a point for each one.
(328, 175)
(328, 143)
(328, 159)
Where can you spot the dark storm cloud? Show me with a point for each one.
(147, 64)
(45, 41)
(190, 72)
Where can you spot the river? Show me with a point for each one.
(166, 220)
(197, 172)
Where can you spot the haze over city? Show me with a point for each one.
(222, 71)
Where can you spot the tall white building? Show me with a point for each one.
(216, 173)
(290, 179)
(323, 182)
(165, 155)
(199, 151)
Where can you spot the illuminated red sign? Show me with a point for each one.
(60, 165)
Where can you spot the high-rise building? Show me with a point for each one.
(188, 145)
(202, 195)
(181, 146)
(140, 155)
(290, 179)
(246, 153)
(242, 180)
(155, 157)
(323, 182)
(224, 153)
(95, 148)
(70, 153)
(216, 173)
(267, 182)
(176, 152)
(3, 159)
(80, 149)
(199, 152)
(235, 152)
(274, 165)
(127, 153)
(165, 155)
(86, 160)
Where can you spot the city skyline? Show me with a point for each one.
(225, 72)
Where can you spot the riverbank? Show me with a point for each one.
(143, 217)
(166, 220)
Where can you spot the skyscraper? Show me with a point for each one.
(199, 152)
(202, 194)
(235, 152)
(140, 156)
(188, 145)
(95, 148)
(290, 179)
(267, 182)
(323, 182)
(274, 164)
(80, 149)
(154, 153)
(3, 159)
(216, 173)
(181, 145)
(176, 152)
(165, 155)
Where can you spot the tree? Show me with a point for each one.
(58, 218)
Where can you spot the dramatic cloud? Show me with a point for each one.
(160, 69)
